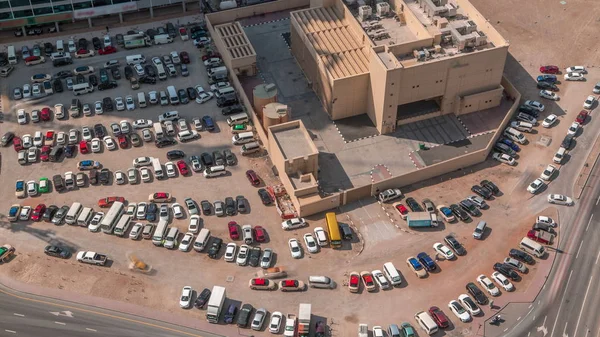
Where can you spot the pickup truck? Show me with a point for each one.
(6, 251)
(290, 326)
(540, 236)
(91, 258)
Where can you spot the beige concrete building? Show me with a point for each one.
(399, 61)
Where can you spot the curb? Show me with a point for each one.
(579, 188)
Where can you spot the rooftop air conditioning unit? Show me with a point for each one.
(383, 9)
(364, 13)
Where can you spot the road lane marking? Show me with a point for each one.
(518, 319)
(598, 200)
(11, 331)
(561, 304)
(565, 330)
(589, 222)
(88, 329)
(578, 250)
(20, 315)
(598, 256)
(583, 305)
(61, 323)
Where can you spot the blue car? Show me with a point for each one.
(151, 212)
(427, 261)
(510, 143)
(547, 78)
(69, 151)
(208, 122)
(13, 212)
(446, 211)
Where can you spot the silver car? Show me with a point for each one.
(219, 210)
(259, 319)
(267, 258)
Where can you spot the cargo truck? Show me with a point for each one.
(215, 304)
(304, 320)
(541, 236)
(419, 220)
(136, 41)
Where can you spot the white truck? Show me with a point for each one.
(136, 40)
(215, 304)
(363, 330)
(304, 320)
(290, 326)
(91, 258)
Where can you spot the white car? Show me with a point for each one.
(27, 141)
(204, 97)
(548, 172)
(194, 225)
(504, 158)
(145, 174)
(26, 91)
(469, 304)
(573, 129)
(98, 109)
(61, 138)
(131, 208)
(132, 176)
(576, 69)
(142, 123)
(230, 252)
(139, 69)
(321, 236)
(186, 242)
(535, 105)
(242, 255)
(21, 116)
(549, 95)
(136, 230)
(546, 220)
(219, 85)
(110, 143)
(290, 327)
(35, 116)
(560, 199)
(87, 110)
(182, 124)
(294, 223)
(380, 279)
(488, 285)
(86, 133)
(83, 70)
(443, 251)
(119, 104)
(95, 222)
(502, 281)
(171, 169)
(295, 248)
(142, 161)
(157, 61)
(175, 57)
(178, 211)
(129, 103)
(38, 139)
(147, 135)
(25, 213)
(589, 102)
(73, 136)
(459, 311)
(32, 154)
(125, 127)
(197, 124)
(550, 120)
(574, 77)
(311, 244)
(535, 186)
(186, 297)
(275, 323)
(96, 145)
(32, 188)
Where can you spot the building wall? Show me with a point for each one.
(480, 101)
(230, 15)
(349, 96)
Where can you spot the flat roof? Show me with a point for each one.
(235, 40)
(340, 51)
(293, 142)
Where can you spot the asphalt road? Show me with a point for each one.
(29, 315)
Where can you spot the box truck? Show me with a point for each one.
(215, 304)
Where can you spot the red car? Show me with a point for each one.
(259, 233)
(17, 144)
(252, 177)
(107, 50)
(439, 317)
(581, 117)
(108, 201)
(45, 153)
(233, 230)
(45, 114)
(38, 212)
(402, 210)
(123, 141)
(183, 168)
(549, 70)
(85, 52)
(210, 55)
(83, 147)
(49, 137)
(185, 57)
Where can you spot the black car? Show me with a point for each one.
(202, 298)
(48, 49)
(566, 143)
(80, 79)
(63, 74)
(148, 80)
(240, 202)
(103, 177)
(206, 159)
(120, 39)
(521, 255)
(469, 207)
(244, 315)
(171, 30)
(49, 213)
(107, 104)
(482, 192)
(62, 62)
(544, 227)
(93, 176)
(70, 151)
(215, 247)
(151, 33)
(58, 183)
(490, 186)
(150, 70)
(128, 72)
(506, 270)
(191, 92)
(230, 207)
(7, 138)
(56, 251)
(529, 110)
(57, 85)
(104, 76)
(116, 74)
(477, 294)
(218, 158)
(97, 43)
(82, 44)
(93, 79)
(206, 207)
(175, 154)
(455, 245)
(163, 142)
(265, 197)
(254, 256)
(234, 109)
(547, 86)
(414, 205)
(183, 97)
(230, 158)
(99, 131)
(151, 210)
(109, 85)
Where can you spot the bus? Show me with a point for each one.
(335, 239)
(111, 218)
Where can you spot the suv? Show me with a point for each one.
(477, 294)
(470, 207)
(215, 247)
(506, 270)
(521, 255)
(455, 245)
(244, 315)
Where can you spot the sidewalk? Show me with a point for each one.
(584, 174)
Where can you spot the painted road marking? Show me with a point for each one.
(11, 331)
(588, 225)
(581, 244)
(583, 305)
(598, 200)
(518, 319)
(561, 304)
(61, 323)
(20, 315)
(88, 329)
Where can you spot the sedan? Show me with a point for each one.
(504, 158)
(469, 304)
(535, 186)
(230, 251)
(142, 123)
(443, 251)
(242, 256)
(487, 284)
(502, 281)
(294, 223)
(266, 258)
(295, 248)
(573, 129)
(136, 230)
(275, 323)
(259, 319)
(589, 102)
(311, 244)
(171, 171)
(550, 120)
(178, 211)
(186, 297)
(186, 242)
(204, 97)
(574, 77)
(119, 104)
(549, 95)
(548, 172)
(380, 279)
(83, 70)
(535, 105)
(549, 70)
(460, 312)
(96, 145)
(129, 103)
(110, 143)
(581, 117)
(560, 199)
(56, 251)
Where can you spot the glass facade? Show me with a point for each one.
(17, 9)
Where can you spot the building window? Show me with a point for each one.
(4, 4)
(98, 3)
(63, 8)
(43, 11)
(120, 1)
(23, 14)
(19, 3)
(5, 16)
(82, 5)
(39, 2)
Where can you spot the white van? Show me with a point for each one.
(162, 39)
(12, 55)
(392, 273)
(521, 126)
(172, 93)
(122, 225)
(515, 135)
(321, 237)
(73, 213)
(559, 155)
(159, 233)
(60, 47)
(322, 282)
(82, 88)
(160, 70)
(158, 170)
(215, 171)
(86, 215)
(242, 138)
(532, 247)
(249, 148)
(426, 322)
(171, 238)
(237, 119)
(202, 240)
(134, 59)
(223, 91)
(158, 130)
(142, 99)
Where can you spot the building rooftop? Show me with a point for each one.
(294, 141)
(235, 40)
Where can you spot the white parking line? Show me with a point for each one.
(583, 305)
(578, 250)
(598, 200)
(61, 323)
(597, 257)
(588, 225)
(88, 329)
(562, 300)
(11, 331)
(20, 315)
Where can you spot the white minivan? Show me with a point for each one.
(85, 216)
(73, 213)
(242, 138)
(392, 273)
(142, 99)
